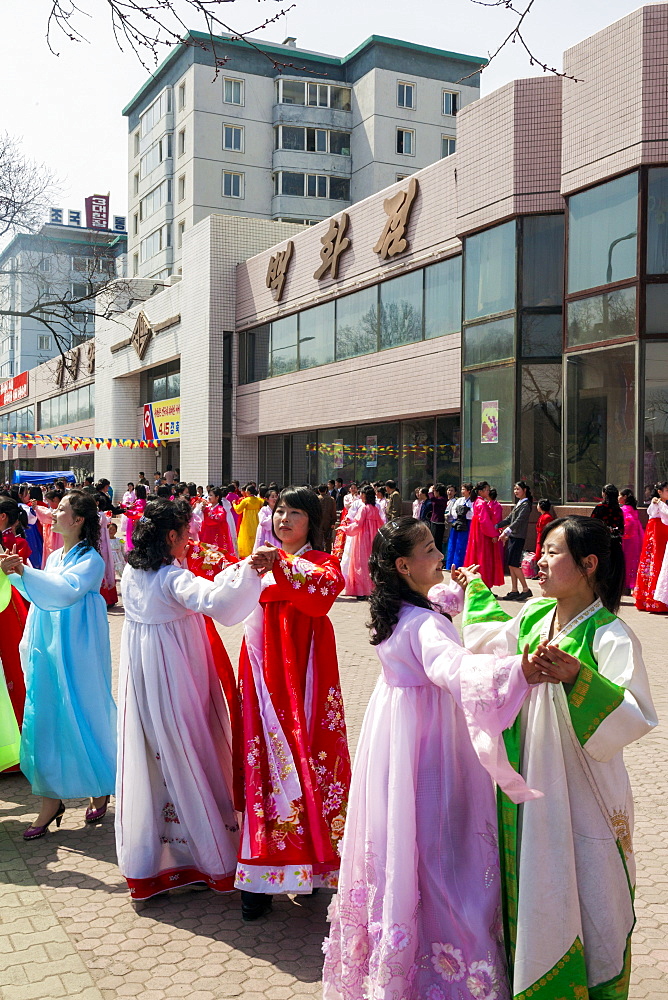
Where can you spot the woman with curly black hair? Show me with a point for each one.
(68, 742)
(175, 816)
(418, 904)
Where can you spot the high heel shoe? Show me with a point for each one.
(96, 815)
(33, 832)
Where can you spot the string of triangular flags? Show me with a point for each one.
(24, 439)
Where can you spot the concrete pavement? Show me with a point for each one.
(68, 928)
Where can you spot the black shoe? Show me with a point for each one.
(524, 596)
(512, 595)
(254, 905)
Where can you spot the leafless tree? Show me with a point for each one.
(25, 187)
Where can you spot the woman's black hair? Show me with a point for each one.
(150, 548)
(659, 486)
(15, 513)
(611, 495)
(523, 486)
(369, 495)
(629, 499)
(181, 489)
(492, 493)
(545, 505)
(140, 491)
(395, 539)
(217, 492)
(586, 536)
(36, 493)
(251, 488)
(303, 498)
(54, 495)
(85, 506)
(192, 489)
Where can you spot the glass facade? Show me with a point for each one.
(657, 220)
(539, 429)
(78, 404)
(488, 420)
(18, 420)
(609, 316)
(489, 284)
(655, 430)
(602, 234)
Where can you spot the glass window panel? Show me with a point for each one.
(490, 272)
(443, 298)
(655, 440)
(540, 430)
(91, 400)
(656, 311)
(292, 137)
(336, 454)
(293, 184)
(339, 143)
(284, 345)
(602, 224)
(174, 385)
(357, 324)
(657, 221)
(542, 260)
(601, 317)
(322, 186)
(417, 456)
(257, 353)
(323, 95)
(340, 98)
(321, 140)
(387, 452)
(316, 336)
(541, 335)
(448, 456)
(488, 418)
(293, 92)
(401, 310)
(486, 342)
(159, 390)
(600, 444)
(339, 188)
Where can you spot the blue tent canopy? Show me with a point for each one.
(41, 478)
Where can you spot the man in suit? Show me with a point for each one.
(341, 491)
(327, 515)
(394, 501)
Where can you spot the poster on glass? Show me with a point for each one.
(489, 422)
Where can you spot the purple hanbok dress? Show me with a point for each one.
(418, 910)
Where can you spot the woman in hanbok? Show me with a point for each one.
(461, 527)
(176, 821)
(295, 755)
(44, 512)
(483, 549)
(653, 554)
(128, 500)
(544, 518)
(265, 532)
(117, 550)
(417, 913)
(352, 503)
(609, 510)
(232, 495)
(568, 868)
(14, 613)
(10, 737)
(249, 507)
(362, 530)
(132, 514)
(633, 537)
(108, 586)
(68, 741)
(33, 531)
(218, 526)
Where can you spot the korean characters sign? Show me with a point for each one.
(162, 420)
(13, 389)
(97, 211)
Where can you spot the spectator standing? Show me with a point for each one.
(341, 491)
(459, 533)
(394, 502)
(609, 510)
(329, 516)
(633, 537)
(516, 526)
(544, 518)
(438, 509)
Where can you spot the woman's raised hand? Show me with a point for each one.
(263, 558)
(465, 574)
(11, 562)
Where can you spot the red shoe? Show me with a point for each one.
(96, 815)
(33, 832)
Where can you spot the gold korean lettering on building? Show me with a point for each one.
(278, 270)
(398, 210)
(334, 242)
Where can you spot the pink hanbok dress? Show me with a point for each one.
(418, 910)
(132, 515)
(483, 546)
(631, 543)
(52, 541)
(264, 534)
(361, 530)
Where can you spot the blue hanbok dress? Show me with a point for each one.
(68, 740)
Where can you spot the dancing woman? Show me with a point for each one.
(653, 554)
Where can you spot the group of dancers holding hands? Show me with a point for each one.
(483, 846)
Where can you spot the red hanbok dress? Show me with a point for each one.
(361, 530)
(217, 528)
(651, 559)
(544, 519)
(483, 547)
(12, 624)
(295, 753)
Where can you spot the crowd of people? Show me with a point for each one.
(483, 840)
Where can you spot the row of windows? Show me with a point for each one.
(312, 185)
(155, 199)
(155, 112)
(407, 98)
(154, 155)
(83, 265)
(158, 240)
(18, 420)
(79, 404)
(313, 95)
(417, 306)
(312, 140)
(233, 92)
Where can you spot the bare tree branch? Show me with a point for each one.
(25, 188)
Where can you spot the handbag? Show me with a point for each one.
(461, 521)
(529, 567)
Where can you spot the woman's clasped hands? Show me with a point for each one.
(10, 562)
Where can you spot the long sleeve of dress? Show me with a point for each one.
(486, 520)
(228, 598)
(486, 627)
(311, 587)
(448, 597)
(45, 514)
(53, 592)
(659, 509)
(355, 526)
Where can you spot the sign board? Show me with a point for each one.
(162, 419)
(13, 389)
(489, 422)
(97, 211)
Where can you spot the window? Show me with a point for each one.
(135, 265)
(539, 429)
(339, 143)
(450, 102)
(290, 92)
(443, 298)
(406, 141)
(182, 96)
(312, 140)
(182, 187)
(233, 185)
(656, 416)
(402, 177)
(135, 223)
(601, 317)
(136, 184)
(44, 342)
(489, 272)
(316, 185)
(312, 186)
(316, 336)
(284, 345)
(155, 199)
(291, 184)
(233, 91)
(357, 324)
(153, 244)
(154, 155)
(315, 95)
(488, 342)
(405, 95)
(136, 143)
(233, 138)
(85, 265)
(290, 137)
(45, 264)
(182, 142)
(181, 228)
(489, 393)
(401, 310)
(156, 111)
(602, 234)
(447, 145)
(542, 247)
(339, 189)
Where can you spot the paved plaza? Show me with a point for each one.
(68, 928)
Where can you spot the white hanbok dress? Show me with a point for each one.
(175, 819)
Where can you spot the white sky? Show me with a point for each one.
(67, 109)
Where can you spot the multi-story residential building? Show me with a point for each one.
(281, 133)
(59, 268)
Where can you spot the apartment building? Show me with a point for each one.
(281, 133)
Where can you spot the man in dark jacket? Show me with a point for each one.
(394, 501)
(327, 515)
